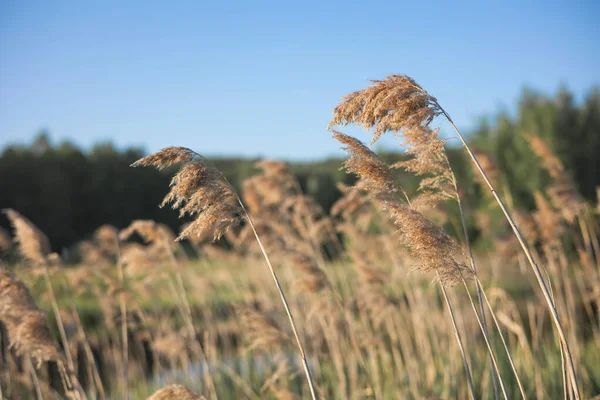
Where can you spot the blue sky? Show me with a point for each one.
(260, 78)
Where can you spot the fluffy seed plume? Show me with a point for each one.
(429, 159)
(33, 243)
(197, 190)
(398, 104)
(430, 244)
(434, 248)
(262, 330)
(149, 231)
(312, 278)
(551, 162)
(27, 326)
(548, 221)
(377, 176)
(173, 392)
(105, 237)
(489, 166)
(392, 104)
(563, 191)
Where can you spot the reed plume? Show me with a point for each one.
(33, 243)
(34, 246)
(27, 325)
(159, 237)
(563, 191)
(175, 392)
(489, 166)
(106, 238)
(262, 329)
(549, 224)
(393, 104)
(434, 248)
(197, 190)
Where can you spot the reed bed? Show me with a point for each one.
(384, 296)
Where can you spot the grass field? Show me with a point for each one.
(267, 295)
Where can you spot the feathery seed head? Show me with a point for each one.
(27, 326)
(272, 167)
(398, 104)
(167, 157)
(434, 248)
(197, 190)
(551, 162)
(489, 166)
(175, 392)
(430, 244)
(33, 243)
(263, 331)
(147, 230)
(392, 104)
(106, 238)
(92, 254)
(33, 337)
(563, 191)
(375, 174)
(428, 151)
(312, 279)
(548, 220)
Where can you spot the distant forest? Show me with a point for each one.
(68, 192)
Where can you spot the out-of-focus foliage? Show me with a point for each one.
(571, 130)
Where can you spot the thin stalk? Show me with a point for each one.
(564, 376)
(61, 328)
(307, 372)
(186, 312)
(86, 344)
(510, 359)
(242, 384)
(487, 342)
(66, 381)
(495, 370)
(124, 336)
(88, 352)
(460, 343)
(36, 381)
(534, 266)
(197, 348)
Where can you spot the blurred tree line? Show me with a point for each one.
(68, 192)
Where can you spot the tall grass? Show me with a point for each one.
(379, 299)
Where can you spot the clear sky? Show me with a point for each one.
(261, 78)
